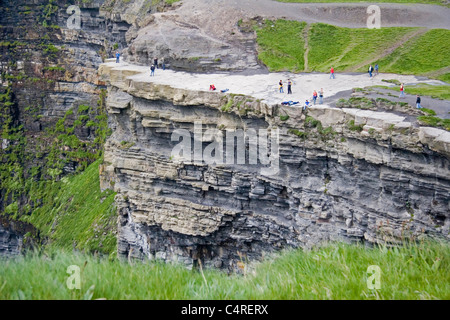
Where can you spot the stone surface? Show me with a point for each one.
(375, 185)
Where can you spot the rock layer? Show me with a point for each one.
(344, 174)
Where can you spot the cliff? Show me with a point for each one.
(340, 174)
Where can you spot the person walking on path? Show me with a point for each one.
(152, 69)
(155, 62)
(321, 96)
(332, 72)
(376, 69)
(163, 64)
(370, 71)
(289, 86)
(117, 56)
(281, 86)
(314, 96)
(418, 106)
(402, 91)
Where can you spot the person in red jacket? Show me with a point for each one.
(332, 72)
(402, 91)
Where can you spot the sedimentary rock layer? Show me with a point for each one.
(387, 181)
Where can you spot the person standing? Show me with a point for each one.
(370, 71)
(152, 69)
(314, 97)
(163, 64)
(321, 96)
(155, 62)
(418, 106)
(289, 86)
(281, 86)
(117, 56)
(376, 69)
(332, 73)
(402, 91)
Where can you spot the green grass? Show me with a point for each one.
(281, 45)
(282, 48)
(345, 48)
(434, 122)
(76, 214)
(336, 271)
(424, 89)
(439, 2)
(419, 55)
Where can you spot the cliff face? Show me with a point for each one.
(346, 175)
(49, 93)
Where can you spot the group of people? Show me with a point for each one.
(372, 70)
(154, 66)
(157, 65)
(314, 96)
(289, 85)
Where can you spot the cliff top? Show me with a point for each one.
(264, 86)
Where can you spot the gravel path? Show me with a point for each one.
(351, 15)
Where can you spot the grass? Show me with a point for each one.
(438, 2)
(282, 48)
(420, 55)
(424, 89)
(281, 45)
(336, 271)
(76, 214)
(345, 48)
(434, 122)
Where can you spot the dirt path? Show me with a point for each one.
(305, 38)
(391, 49)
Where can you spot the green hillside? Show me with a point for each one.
(397, 50)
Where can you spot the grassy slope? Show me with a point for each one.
(282, 45)
(420, 55)
(333, 272)
(423, 89)
(75, 214)
(346, 49)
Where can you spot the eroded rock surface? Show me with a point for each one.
(383, 181)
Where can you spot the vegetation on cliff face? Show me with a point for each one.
(336, 271)
(69, 211)
(75, 214)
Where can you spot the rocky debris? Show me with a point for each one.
(15, 236)
(344, 175)
(10, 243)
